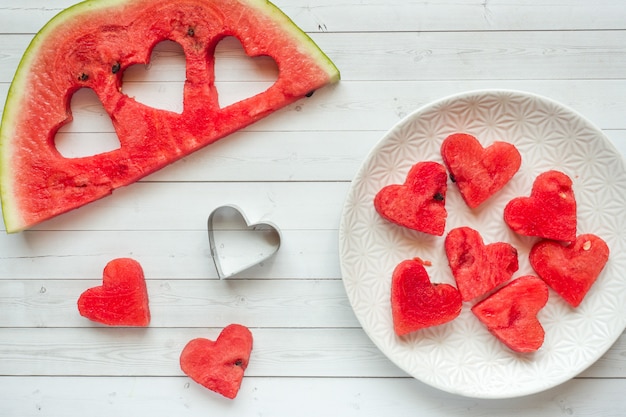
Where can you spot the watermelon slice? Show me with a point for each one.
(549, 212)
(420, 202)
(479, 172)
(478, 268)
(121, 300)
(510, 313)
(219, 365)
(572, 269)
(90, 45)
(416, 303)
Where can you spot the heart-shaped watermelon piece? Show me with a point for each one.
(219, 365)
(416, 303)
(477, 171)
(510, 313)
(572, 269)
(121, 300)
(478, 268)
(418, 203)
(549, 212)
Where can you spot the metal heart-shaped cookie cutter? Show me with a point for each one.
(237, 245)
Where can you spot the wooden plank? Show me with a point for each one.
(295, 352)
(262, 156)
(168, 255)
(551, 55)
(346, 397)
(186, 206)
(477, 55)
(187, 303)
(274, 156)
(377, 105)
(399, 15)
(28, 16)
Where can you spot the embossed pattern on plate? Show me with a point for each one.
(462, 357)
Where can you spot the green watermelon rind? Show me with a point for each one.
(14, 217)
(305, 40)
(10, 213)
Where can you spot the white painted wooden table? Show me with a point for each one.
(310, 357)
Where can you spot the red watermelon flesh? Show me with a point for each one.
(90, 45)
(219, 365)
(572, 269)
(121, 300)
(479, 172)
(418, 203)
(510, 313)
(416, 303)
(549, 212)
(476, 267)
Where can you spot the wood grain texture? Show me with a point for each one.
(294, 168)
(555, 55)
(34, 396)
(304, 254)
(394, 15)
(185, 303)
(357, 106)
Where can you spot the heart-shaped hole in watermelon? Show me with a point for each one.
(239, 76)
(159, 84)
(92, 45)
(90, 132)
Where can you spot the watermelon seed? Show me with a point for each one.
(83, 77)
(439, 197)
(452, 178)
(310, 93)
(191, 32)
(115, 68)
(587, 245)
(239, 362)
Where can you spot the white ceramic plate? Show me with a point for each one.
(462, 357)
